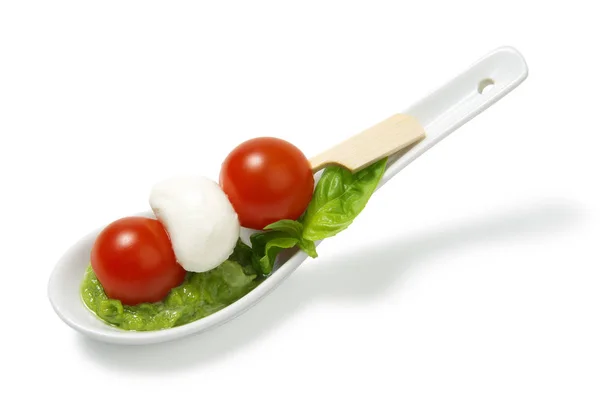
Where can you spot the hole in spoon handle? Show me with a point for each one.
(461, 99)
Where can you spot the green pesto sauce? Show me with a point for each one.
(200, 295)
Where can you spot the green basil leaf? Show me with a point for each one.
(289, 226)
(308, 246)
(338, 199)
(295, 230)
(267, 245)
(273, 248)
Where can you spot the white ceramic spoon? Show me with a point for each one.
(440, 113)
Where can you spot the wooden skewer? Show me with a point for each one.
(371, 145)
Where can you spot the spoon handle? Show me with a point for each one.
(467, 95)
(384, 139)
(405, 136)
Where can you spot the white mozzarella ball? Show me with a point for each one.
(199, 218)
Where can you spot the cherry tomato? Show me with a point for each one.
(134, 261)
(267, 179)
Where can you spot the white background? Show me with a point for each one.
(474, 274)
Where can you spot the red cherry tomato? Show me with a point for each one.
(267, 179)
(134, 261)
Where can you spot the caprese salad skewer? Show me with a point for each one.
(265, 184)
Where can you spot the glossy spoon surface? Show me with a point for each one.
(440, 113)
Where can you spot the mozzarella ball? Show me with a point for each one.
(199, 218)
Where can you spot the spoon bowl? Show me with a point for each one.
(440, 113)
